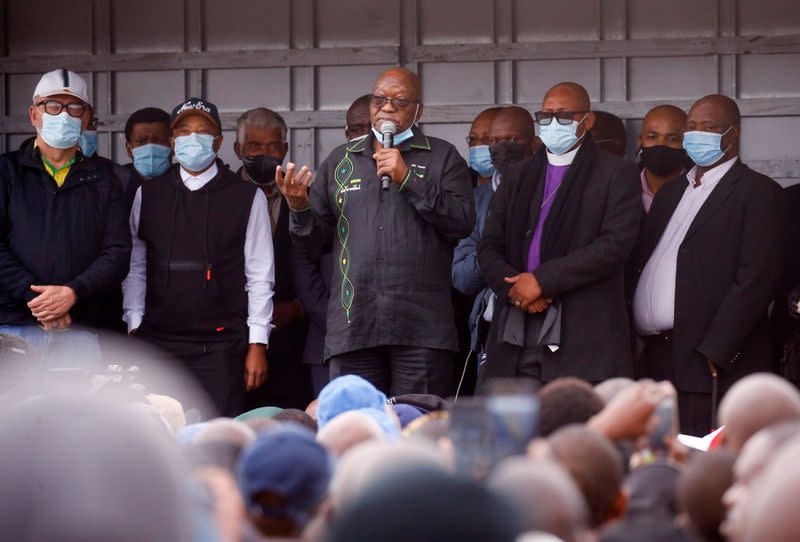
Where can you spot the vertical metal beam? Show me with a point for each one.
(727, 76)
(504, 82)
(408, 15)
(303, 25)
(614, 71)
(193, 15)
(102, 100)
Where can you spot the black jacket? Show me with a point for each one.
(76, 235)
(393, 249)
(587, 282)
(729, 266)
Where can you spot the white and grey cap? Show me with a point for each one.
(62, 81)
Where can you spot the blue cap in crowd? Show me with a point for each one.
(345, 393)
(288, 462)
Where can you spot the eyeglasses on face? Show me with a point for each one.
(564, 118)
(54, 107)
(398, 103)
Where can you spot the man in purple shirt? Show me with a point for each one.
(561, 227)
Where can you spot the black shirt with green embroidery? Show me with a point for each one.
(393, 249)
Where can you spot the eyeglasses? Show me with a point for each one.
(54, 107)
(564, 118)
(397, 103)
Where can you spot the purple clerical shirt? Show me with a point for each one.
(554, 176)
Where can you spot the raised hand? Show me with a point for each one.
(294, 184)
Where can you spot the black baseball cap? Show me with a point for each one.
(195, 106)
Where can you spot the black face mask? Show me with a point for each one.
(662, 160)
(261, 168)
(506, 153)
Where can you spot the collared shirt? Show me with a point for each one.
(647, 194)
(393, 249)
(557, 168)
(654, 301)
(59, 175)
(274, 198)
(258, 263)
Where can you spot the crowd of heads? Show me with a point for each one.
(357, 465)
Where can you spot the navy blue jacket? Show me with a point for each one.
(467, 277)
(75, 235)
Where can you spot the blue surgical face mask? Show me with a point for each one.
(559, 138)
(480, 159)
(704, 148)
(88, 143)
(60, 131)
(151, 160)
(405, 135)
(195, 151)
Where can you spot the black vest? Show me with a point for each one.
(195, 256)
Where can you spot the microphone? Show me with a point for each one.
(388, 129)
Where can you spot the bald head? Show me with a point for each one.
(701, 487)
(357, 119)
(373, 461)
(479, 130)
(609, 133)
(666, 111)
(754, 403)
(596, 466)
(513, 124)
(725, 109)
(403, 88)
(403, 78)
(545, 496)
(748, 469)
(226, 430)
(349, 430)
(772, 514)
(572, 95)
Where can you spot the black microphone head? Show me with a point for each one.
(388, 127)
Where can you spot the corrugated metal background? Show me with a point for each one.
(311, 58)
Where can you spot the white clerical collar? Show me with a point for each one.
(203, 178)
(562, 159)
(496, 177)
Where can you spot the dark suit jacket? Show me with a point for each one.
(588, 281)
(729, 265)
(314, 265)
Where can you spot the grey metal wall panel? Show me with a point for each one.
(357, 22)
(769, 76)
(676, 18)
(338, 86)
(671, 78)
(239, 90)
(458, 83)
(470, 53)
(545, 20)
(40, 27)
(535, 77)
(246, 24)
(768, 17)
(146, 25)
(134, 90)
(468, 21)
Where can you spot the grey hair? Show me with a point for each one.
(260, 117)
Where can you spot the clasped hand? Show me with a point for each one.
(526, 294)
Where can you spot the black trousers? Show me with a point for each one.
(694, 409)
(398, 370)
(217, 367)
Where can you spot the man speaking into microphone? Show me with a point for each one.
(394, 206)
